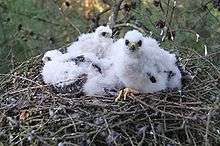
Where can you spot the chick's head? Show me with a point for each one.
(133, 41)
(103, 32)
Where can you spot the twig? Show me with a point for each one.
(161, 111)
(207, 127)
(115, 10)
(130, 25)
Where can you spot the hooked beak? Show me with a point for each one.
(133, 46)
(108, 35)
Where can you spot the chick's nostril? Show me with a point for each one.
(132, 48)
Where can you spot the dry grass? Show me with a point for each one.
(31, 113)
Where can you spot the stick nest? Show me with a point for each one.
(32, 114)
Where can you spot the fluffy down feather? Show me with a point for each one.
(134, 61)
(52, 55)
(142, 65)
(96, 43)
(164, 61)
(106, 83)
(56, 55)
(60, 74)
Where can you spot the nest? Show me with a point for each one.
(33, 114)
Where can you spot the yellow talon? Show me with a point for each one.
(119, 96)
(125, 92)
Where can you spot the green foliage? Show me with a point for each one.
(30, 27)
(187, 19)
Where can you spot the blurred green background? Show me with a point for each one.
(31, 27)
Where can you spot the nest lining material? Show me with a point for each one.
(32, 113)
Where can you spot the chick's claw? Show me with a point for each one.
(119, 96)
(125, 93)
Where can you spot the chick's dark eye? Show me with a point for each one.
(126, 42)
(48, 59)
(139, 43)
(104, 33)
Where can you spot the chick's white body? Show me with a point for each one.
(56, 55)
(137, 68)
(96, 43)
(102, 84)
(111, 66)
(85, 36)
(164, 61)
(52, 55)
(59, 70)
(133, 70)
(60, 73)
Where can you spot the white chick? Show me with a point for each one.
(106, 83)
(61, 74)
(139, 63)
(85, 36)
(52, 55)
(164, 61)
(56, 55)
(64, 69)
(96, 43)
(59, 69)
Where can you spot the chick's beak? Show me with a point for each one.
(133, 46)
(108, 35)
